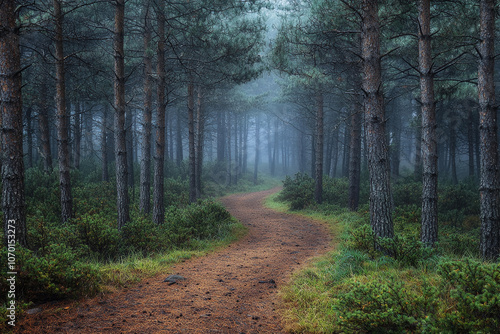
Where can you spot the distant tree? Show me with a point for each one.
(11, 114)
(490, 175)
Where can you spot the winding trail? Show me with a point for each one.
(231, 291)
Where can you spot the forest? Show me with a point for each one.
(124, 123)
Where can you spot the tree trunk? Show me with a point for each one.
(43, 124)
(129, 143)
(104, 144)
(221, 136)
(489, 179)
(145, 173)
(380, 191)
(355, 157)
(29, 137)
(192, 146)
(179, 150)
(245, 146)
(470, 140)
(200, 137)
(13, 203)
(119, 105)
(396, 142)
(159, 160)
(453, 153)
(62, 119)
(78, 136)
(257, 150)
(429, 233)
(318, 182)
(418, 147)
(229, 176)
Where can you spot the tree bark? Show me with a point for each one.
(179, 149)
(257, 150)
(119, 105)
(145, 173)
(11, 110)
(489, 178)
(429, 232)
(192, 147)
(380, 191)
(29, 137)
(62, 119)
(355, 157)
(318, 184)
(104, 145)
(43, 124)
(159, 160)
(200, 137)
(78, 136)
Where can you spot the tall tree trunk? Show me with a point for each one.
(257, 150)
(418, 147)
(145, 173)
(200, 137)
(78, 136)
(192, 146)
(62, 119)
(380, 191)
(104, 144)
(29, 136)
(470, 139)
(453, 153)
(119, 105)
(396, 142)
(355, 157)
(318, 182)
(429, 232)
(245, 146)
(221, 136)
(43, 124)
(490, 179)
(229, 176)
(129, 143)
(158, 179)
(347, 143)
(11, 110)
(179, 150)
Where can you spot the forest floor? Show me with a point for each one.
(233, 290)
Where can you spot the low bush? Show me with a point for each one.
(392, 307)
(474, 289)
(298, 191)
(55, 274)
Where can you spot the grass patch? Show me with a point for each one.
(356, 289)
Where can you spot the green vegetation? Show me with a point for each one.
(89, 254)
(356, 288)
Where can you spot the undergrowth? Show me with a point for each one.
(357, 289)
(89, 254)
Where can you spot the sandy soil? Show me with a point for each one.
(232, 291)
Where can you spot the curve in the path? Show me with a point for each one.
(230, 291)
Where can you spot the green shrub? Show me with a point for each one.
(144, 236)
(56, 274)
(386, 308)
(336, 191)
(407, 251)
(298, 191)
(407, 193)
(99, 235)
(475, 289)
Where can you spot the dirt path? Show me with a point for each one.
(231, 291)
